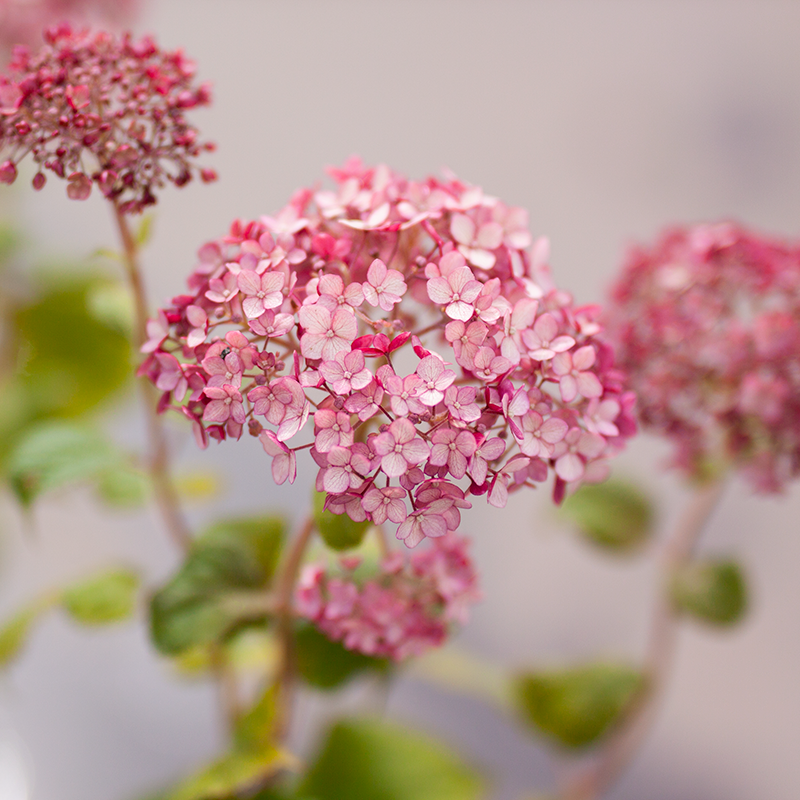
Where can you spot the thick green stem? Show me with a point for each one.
(620, 748)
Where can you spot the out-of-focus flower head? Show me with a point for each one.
(410, 323)
(408, 606)
(22, 21)
(707, 324)
(96, 109)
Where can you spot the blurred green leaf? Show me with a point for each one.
(325, 664)
(52, 454)
(338, 531)
(232, 774)
(207, 597)
(104, 599)
(111, 303)
(123, 486)
(613, 515)
(376, 760)
(713, 591)
(72, 360)
(68, 361)
(261, 536)
(254, 729)
(575, 707)
(14, 633)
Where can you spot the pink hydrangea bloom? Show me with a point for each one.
(93, 98)
(408, 606)
(707, 322)
(409, 320)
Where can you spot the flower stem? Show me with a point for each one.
(619, 749)
(284, 591)
(164, 490)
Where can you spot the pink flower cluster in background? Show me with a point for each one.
(403, 332)
(707, 322)
(95, 109)
(22, 21)
(409, 606)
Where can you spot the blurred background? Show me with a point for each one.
(607, 120)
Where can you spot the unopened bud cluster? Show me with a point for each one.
(100, 110)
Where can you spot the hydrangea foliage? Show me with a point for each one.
(405, 334)
(708, 327)
(405, 608)
(96, 109)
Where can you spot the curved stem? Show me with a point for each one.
(164, 490)
(619, 749)
(284, 617)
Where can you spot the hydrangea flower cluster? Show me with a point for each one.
(409, 323)
(22, 21)
(409, 606)
(97, 109)
(708, 327)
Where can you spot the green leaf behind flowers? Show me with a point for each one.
(377, 760)
(56, 453)
(338, 531)
(713, 591)
(208, 597)
(576, 707)
(614, 515)
(106, 598)
(325, 664)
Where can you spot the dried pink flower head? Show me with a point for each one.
(405, 607)
(707, 323)
(411, 323)
(100, 110)
(22, 21)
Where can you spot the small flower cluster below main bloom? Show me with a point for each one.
(407, 607)
(98, 110)
(408, 324)
(707, 324)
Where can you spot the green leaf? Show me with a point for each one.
(72, 361)
(233, 773)
(613, 515)
(14, 633)
(262, 536)
(212, 592)
(713, 591)
(376, 760)
(338, 531)
(103, 599)
(325, 664)
(575, 707)
(123, 486)
(254, 729)
(112, 304)
(54, 454)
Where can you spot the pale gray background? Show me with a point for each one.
(606, 120)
